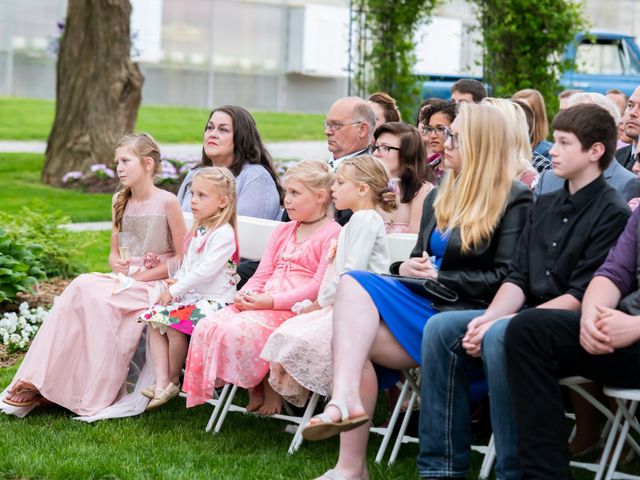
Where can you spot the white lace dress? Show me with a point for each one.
(299, 351)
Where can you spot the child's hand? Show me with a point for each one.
(121, 266)
(171, 281)
(164, 298)
(311, 308)
(257, 301)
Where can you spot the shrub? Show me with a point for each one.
(54, 250)
(19, 266)
(17, 329)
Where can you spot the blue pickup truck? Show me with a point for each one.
(604, 60)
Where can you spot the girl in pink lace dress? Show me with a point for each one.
(299, 352)
(399, 146)
(80, 357)
(225, 347)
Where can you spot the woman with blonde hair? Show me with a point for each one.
(469, 232)
(518, 127)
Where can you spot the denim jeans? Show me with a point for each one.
(445, 446)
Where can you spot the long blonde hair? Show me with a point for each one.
(225, 185)
(475, 198)
(141, 145)
(315, 175)
(366, 169)
(519, 128)
(536, 101)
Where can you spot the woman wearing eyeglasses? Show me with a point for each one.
(435, 120)
(470, 228)
(400, 147)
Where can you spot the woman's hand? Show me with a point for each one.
(165, 298)
(310, 308)
(121, 266)
(420, 267)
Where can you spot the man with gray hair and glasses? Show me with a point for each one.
(349, 129)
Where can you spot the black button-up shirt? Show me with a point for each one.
(565, 239)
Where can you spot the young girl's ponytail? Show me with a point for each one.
(369, 170)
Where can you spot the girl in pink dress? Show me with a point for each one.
(80, 358)
(204, 284)
(225, 347)
(299, 352)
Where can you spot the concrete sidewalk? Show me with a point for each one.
(289, 150)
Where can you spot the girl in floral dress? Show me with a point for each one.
(225, 346)
(80, 358)
(205, 283)
(299, 352)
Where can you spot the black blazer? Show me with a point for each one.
(624, 157)
(477, 275)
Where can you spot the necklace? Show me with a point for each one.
(314, 221)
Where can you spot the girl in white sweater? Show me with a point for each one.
(205, 283)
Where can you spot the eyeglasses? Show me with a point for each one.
(383, 148)
(335, 126)
(428, 129)
(450, 136)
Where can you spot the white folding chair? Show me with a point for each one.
(298, 421)
(411, 387)
(627, 402)
(401, 245)
(253, 234)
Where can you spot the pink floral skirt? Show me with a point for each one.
(225, 348)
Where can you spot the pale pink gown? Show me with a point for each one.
(225, 346)
(81, 356)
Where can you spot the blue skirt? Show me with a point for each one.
(404, 312)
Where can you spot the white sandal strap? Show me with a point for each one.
(340, 405)
(334, 475)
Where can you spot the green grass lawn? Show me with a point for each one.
(31, 119)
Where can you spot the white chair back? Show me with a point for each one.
(253, 234)
(400, 245)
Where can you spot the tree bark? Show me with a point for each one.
(98, 89)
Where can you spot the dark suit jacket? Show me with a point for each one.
(477, 275)
(624, 157)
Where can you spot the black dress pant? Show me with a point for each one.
(542, 347)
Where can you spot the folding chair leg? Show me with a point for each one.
(489, 459)
(218, 406)
(297, 437)
(392, 422)
(225, 409)
(623, 434)
(403, 428)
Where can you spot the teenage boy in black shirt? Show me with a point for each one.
(566, 238)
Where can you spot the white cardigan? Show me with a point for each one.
(208, 273)
(362, 245)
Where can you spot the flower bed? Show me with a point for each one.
(18, 328)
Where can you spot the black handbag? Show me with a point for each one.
(428, 288)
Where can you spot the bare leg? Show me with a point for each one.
(355, 326)
(160, 356)
(256, 398)
(178, 348)
(587, 429)
(272, 401)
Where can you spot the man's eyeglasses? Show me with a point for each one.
(452, 137)
(428, 129)
(383, 148)
(335, 126)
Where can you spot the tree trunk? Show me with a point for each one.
(98, 88)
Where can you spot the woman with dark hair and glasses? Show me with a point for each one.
(231, 140)
(436, 119)
(400, 148)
